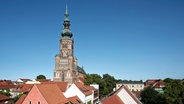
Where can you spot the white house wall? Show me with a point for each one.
(89, 98)
(73, 91)
(125, 97)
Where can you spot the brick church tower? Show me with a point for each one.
(66, 68)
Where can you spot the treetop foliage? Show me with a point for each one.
(40, 77)
(106, 83)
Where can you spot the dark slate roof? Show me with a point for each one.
(81, 70)
(130, 82)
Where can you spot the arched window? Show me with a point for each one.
(57, 75)
(68, 74)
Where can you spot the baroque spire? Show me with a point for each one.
(66, 29)
(66, 13)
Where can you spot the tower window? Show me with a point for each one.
(29, 102)
(68, 74)
(38, 102)
(57, 75)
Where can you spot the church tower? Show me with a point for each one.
(66, 68)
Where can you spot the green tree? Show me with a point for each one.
(5, 92)
(16, 98)
(174, 91)
(168, 80)
(40, 77)
(149, 96)
(94, 78)
(109, 83)
(106, 84)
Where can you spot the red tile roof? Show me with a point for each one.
(155, 83)
(3, 97)
(114, 99)
(81, 79)
(86, 90)
(21, 99)
(62, 85)
(26, 87)
(6, 84)
(52, 93)
(159, 84)
(75, 100)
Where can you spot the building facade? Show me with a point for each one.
(66, 68)
(131, 85)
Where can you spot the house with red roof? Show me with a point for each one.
(7, 86)
(5, 100)
(44, 94)
(135, 86)
(20, 89)
(157, 84)
(84, 93)
(121, 96)
(6, 82)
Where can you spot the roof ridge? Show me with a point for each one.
(46, 89)
(133, 96)
(40, 93)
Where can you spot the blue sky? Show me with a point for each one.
(129, 39)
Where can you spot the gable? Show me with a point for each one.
(121, 96)
(70, 92)
(34, 96)
(127, 96)
(86, 90)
